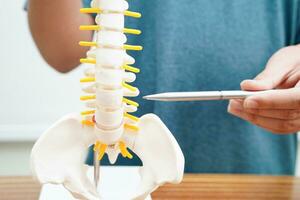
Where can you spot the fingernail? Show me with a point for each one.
(234, 108)
(235, 112)
(236, 105)
(251, 104)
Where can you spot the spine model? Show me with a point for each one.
(58, 156)
(109, 90)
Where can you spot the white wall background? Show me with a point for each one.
(33, 95)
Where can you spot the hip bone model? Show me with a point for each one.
(59, 154)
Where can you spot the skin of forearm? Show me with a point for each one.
(54, 25)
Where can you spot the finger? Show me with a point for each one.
(279, 65)
(276, 99)
(271, 113)
(273, 129)
(273, 125)
(276, 114)
(292, 80)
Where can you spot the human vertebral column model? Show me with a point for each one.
(58, 156)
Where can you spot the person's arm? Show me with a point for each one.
(277, 111)
(54, 25)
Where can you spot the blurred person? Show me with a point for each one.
(203, 45)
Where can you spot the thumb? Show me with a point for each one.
(267, 79)
(277, 68)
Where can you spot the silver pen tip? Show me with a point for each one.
(152, 97)
(148, 97)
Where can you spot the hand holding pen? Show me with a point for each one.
(271, 100)
(277, 111)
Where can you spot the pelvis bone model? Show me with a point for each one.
(59, 154)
